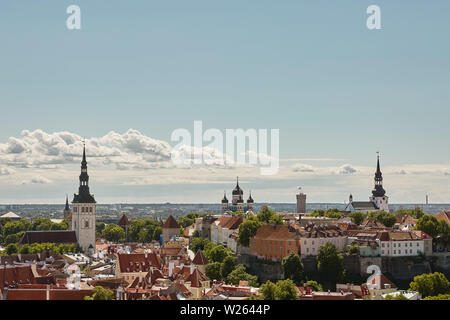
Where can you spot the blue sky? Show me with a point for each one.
(335, 89)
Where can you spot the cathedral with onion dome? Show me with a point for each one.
(237, 201)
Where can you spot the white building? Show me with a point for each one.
(400, 243)
(223, 227)
(315, 236)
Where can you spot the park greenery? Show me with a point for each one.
(329, 265)
(281, 290)
(353, 249)
(330, 213)
(439, 230)
(293, 268)
(101, 293)
(12, 231)
(431, 284)
(34, 248)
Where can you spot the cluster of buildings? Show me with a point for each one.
(168, 270)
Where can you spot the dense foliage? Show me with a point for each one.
(293, 268)
(12, 231)
(329, 264)
(430, 284)
(12, 248)
(282, 290)
(386, 218)
(101, 293)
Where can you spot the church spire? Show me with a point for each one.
(67, 208)
(84, 195)
(378, 191)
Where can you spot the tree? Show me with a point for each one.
(293, 268)
(113, 232)
(317, 213)
(213, 271)
(101, 293)
(217, 254)
(265, 214)
(25, 249)
(157, 233)
(416, 213)
(397, 297)
(227, 266)
(438, 297)
(99, 226)
(329, 264)
(286, 290)
(11, 249)
(430, 284)
(239, 274)
(268, 291)
(247, 229)
(386, 218)
(354, 249)
(314, 284)
(428, 224)
(357, 217)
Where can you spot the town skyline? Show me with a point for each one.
(129, 162)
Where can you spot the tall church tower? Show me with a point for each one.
(379, 197)
(83, 211)
(67, 214)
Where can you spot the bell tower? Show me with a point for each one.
(379, 197)
(83, 210)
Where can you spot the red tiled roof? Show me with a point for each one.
(138, 262)
(278, 232)
(372, 222)
(170, 223)
(444, 215)
(200, 259)
(41, 294)
(230, 222)
(195, 278)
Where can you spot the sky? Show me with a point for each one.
(137, 70)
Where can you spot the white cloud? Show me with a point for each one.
(346, 169)
(300, 167)
(37, 180)
(5, 171)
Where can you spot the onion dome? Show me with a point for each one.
(237, 190)
(250, 199)
(224, 200)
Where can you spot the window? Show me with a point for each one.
(395, 245)
(382, 245)
(382, 251)
(406, 251)
(90, 209)
(395, 251)
(312, 242)
(304, 242)
(410, 250)
(86, 224)
(410, 244)
(75, 209)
